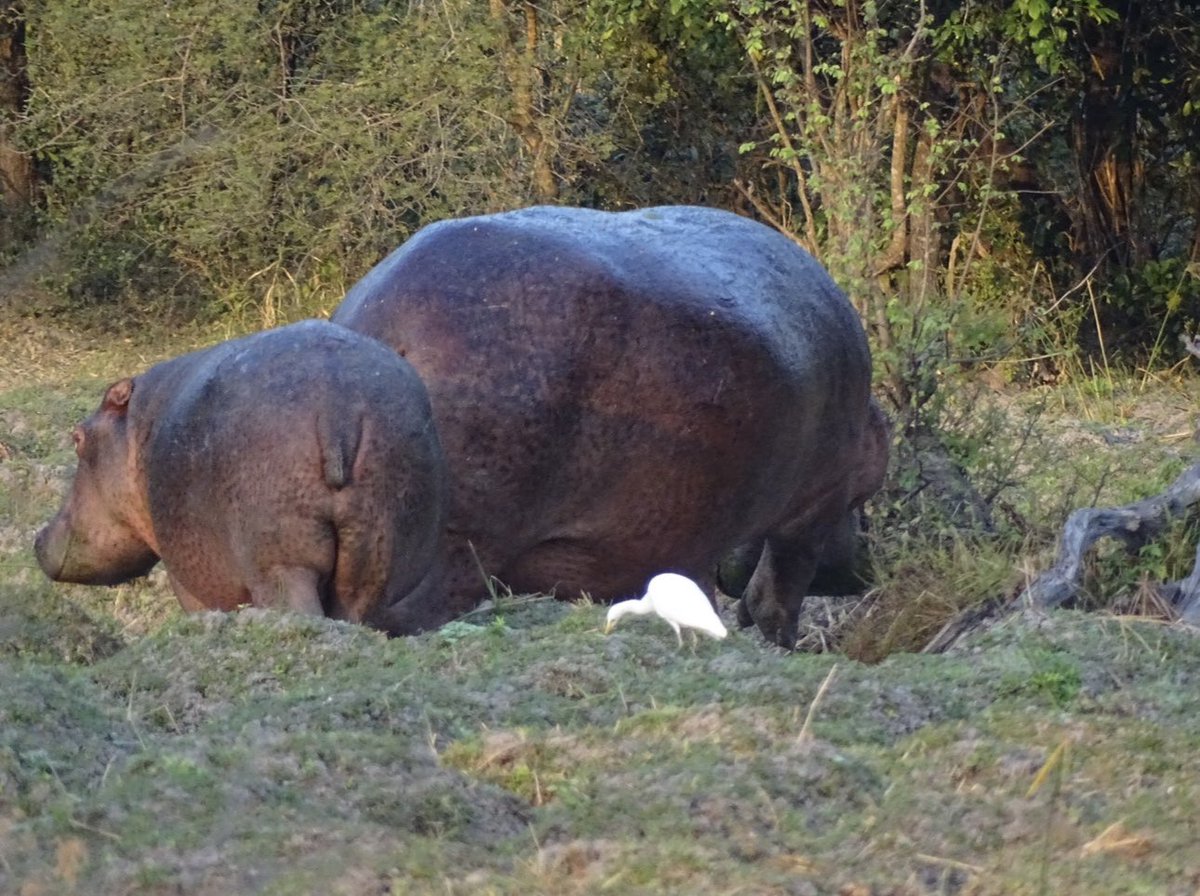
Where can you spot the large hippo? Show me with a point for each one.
(620, 394)
(297, 468)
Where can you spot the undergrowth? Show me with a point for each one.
(977, 519)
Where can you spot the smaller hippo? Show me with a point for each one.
(296, 468)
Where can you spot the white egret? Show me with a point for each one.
(676, 599)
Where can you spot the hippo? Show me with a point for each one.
(625, 393)
(297, 468)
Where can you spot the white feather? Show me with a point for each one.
(677, 600)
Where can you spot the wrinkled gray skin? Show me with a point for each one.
(622, 394)
(296, 468)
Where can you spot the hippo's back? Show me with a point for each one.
(293, 447)
(575, 266)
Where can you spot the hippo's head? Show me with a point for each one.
(98, 536)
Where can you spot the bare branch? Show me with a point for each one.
(770, 217)
(793, 158)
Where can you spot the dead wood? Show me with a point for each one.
(1134, 525)
(968, 622)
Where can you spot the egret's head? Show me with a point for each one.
(624, 608)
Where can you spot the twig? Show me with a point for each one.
(804, 735)
(949, 863)
(80, 826)
(489, 582)
(771, 217)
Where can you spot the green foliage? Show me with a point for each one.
(256, 159)
(691, 25)
(260, 157)
(894, 184)
(1120, 580)
(261, 150)
(1042, 28)
(651, 91)
(1151, 307)
(1052, 676)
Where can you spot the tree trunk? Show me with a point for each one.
(18, 181)
(524, 78)
(1104, 137)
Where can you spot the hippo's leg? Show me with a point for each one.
(784, 573)
(360, 569)
(776, 590)
(735, 569)
(292, 588)
(187, 600)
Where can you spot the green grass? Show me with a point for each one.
(521, 751)
(269, 753)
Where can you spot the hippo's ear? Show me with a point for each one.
(117, 396)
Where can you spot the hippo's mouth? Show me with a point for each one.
(53, 547)
(51, 552)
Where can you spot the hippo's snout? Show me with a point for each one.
(50, 547)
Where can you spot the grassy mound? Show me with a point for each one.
(521, 751)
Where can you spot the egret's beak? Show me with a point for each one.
(608, 626)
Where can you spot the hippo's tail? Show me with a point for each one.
(340, 436)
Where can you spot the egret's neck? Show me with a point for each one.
(631, 608)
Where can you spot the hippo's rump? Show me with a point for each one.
(577, 360)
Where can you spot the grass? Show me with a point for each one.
(267, 753)
(520, 750)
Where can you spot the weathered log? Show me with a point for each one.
(1184, 595)
(1133, 524)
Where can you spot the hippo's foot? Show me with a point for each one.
(768, 600)
(775, 594)
(774, 625)
(745, 620)
(778, 624)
